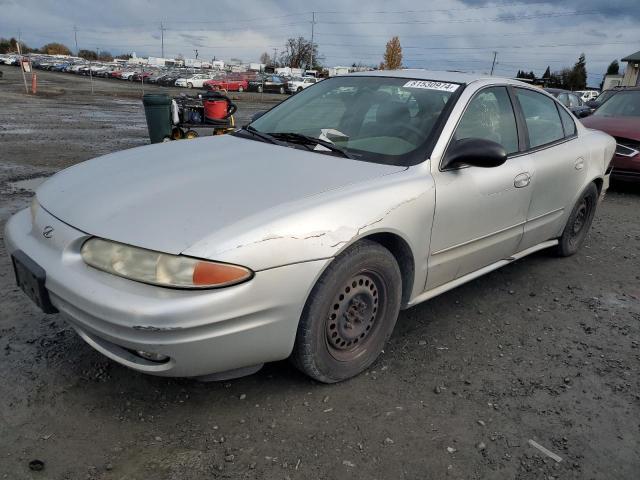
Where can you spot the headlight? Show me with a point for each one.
(161, 269)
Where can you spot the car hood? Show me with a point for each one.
(168, 196)
(621, 127)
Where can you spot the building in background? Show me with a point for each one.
(632, 72)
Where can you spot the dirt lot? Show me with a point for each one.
(544, 349)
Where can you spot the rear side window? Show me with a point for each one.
(541, 116)
(568, 123)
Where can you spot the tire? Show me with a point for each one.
(281, 90)
(189, 85)
(259, 88)
(349, 315)
(578, 223)
(240, 89)
(299, 89)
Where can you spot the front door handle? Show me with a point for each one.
(522, 180)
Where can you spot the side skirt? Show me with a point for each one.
(434, 292)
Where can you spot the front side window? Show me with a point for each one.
(380, 119)
(541, 116)
(490, 116)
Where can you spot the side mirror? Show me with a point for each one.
(257, 115)
(585, 113)
(476, 152)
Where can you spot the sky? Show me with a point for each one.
(438, 35)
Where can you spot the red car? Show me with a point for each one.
(116, 74)
(619, 116)
(231, 85)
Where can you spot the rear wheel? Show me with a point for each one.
(189, 85)
(577, 227)
(349, 314)
(281, 90)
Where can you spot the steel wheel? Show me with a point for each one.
(354, 315)
(579, 221)
(350, 314)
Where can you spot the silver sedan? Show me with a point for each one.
(302, 235)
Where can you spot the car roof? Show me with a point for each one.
(437, 75)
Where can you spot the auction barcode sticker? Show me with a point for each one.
(430, 85)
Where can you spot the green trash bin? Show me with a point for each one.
(157, 109)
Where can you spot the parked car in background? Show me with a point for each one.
(586, 95)
(382, 190)
(297, 84)
(153, 78)
(229, 84)
(603, 97)
(127, 74)
(269, 83)
(192, 81)
(138, 76)
(571, 101)
(619, 116)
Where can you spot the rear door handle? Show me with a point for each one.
(522, 180)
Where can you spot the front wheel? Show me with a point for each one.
(577, 227)
(349, 315)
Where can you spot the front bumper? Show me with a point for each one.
(202, 332)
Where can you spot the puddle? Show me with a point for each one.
(29, 184)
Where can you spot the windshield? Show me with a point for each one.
(623, 104)
(378, 119)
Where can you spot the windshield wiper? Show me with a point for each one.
(309, 140)
(265, 137)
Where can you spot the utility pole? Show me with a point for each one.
(313, 23)
(162, 29)
(275, 56)
(196, 51)
(75, 37)
(494, 61)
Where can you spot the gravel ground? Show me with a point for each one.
(545, 349)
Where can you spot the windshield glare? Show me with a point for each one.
(622, 104)
(378, 119)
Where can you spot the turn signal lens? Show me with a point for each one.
(209, 273)
(158, 268)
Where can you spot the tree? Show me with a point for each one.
(88, 54)
(613, 68)
(577, 79)
(547, 74)
(105, 56)
(55, 48)
(298, 52)
(265, 58)
(124, 56)
(393, 54)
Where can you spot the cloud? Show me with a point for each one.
(449, 35)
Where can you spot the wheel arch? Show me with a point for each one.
(403, 254)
